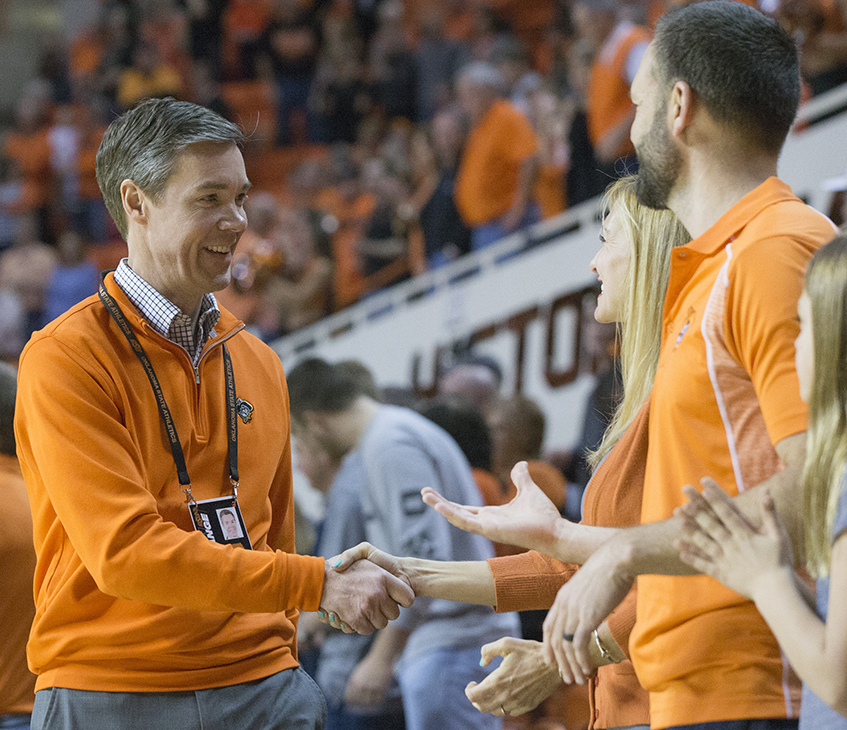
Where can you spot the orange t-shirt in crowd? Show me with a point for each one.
(243, 305)
(128, 596)
(531, 580)
(32, 153)
(85, 54)
(658, 8)
(550, 190)
(352, 216)
(833, 17)
(17, 566)
(246, 18)
(487, 181)
(243, 20)
(725, 392)
(528, 19)
(133, 85)
(255, 260)
(608, 101)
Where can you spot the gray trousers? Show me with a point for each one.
(289, 700)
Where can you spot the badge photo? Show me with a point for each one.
(220, 520)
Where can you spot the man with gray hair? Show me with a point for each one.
(499, 166)
(143, 414)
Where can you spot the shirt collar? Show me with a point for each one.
(164, 316)
(771, 191)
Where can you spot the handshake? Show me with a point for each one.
(364, 589)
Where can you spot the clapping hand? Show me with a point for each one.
(581, 605)
(719, 541)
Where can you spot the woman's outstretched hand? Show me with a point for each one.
(529, 521)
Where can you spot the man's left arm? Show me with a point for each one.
(370, 680)
(605, 579)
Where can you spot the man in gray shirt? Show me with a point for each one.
(349, 706)
(437, 641)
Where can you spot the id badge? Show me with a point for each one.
(220, 520)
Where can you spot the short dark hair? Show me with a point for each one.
(743, 66)
(525, 422)
(8, 390)
(463, 421)
(318, 386)
(142, 145)
(362, 375)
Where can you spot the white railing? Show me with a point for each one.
(402, 333)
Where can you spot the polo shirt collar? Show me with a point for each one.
(771, 191)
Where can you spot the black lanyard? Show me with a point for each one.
(170, 428)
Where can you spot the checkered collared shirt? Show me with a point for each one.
(165, 317)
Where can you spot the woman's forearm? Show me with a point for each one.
(468, 582)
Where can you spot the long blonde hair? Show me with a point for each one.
(826, 450)
(652, 235)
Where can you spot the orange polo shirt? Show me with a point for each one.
(487, 182)
(725, 392)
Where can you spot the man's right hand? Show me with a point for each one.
(363, 597)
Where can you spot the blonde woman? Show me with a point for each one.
(632, 266)
(759, 564)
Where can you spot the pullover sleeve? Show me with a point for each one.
(87, 481)
(528, 581)
(531, 581)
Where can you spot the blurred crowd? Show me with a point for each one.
(387, 138)
(494, 432)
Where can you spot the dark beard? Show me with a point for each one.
(658, 165)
